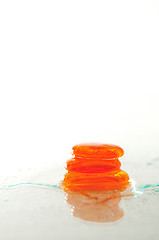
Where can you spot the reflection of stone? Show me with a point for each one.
(96, 207)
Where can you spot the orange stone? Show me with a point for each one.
(100, 150)
(95, 167)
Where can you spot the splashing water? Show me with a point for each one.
(32, 184)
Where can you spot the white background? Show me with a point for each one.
(76, 71)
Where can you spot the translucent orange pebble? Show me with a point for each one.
(95, 167)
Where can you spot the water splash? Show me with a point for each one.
(32, 184)
(149, 186)
(135, 191)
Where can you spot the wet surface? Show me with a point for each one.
(39, 209)
(33, 207)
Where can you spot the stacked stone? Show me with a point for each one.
(95, 167)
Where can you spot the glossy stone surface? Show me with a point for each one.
(95, 167)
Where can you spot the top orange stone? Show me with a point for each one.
(98, 149)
